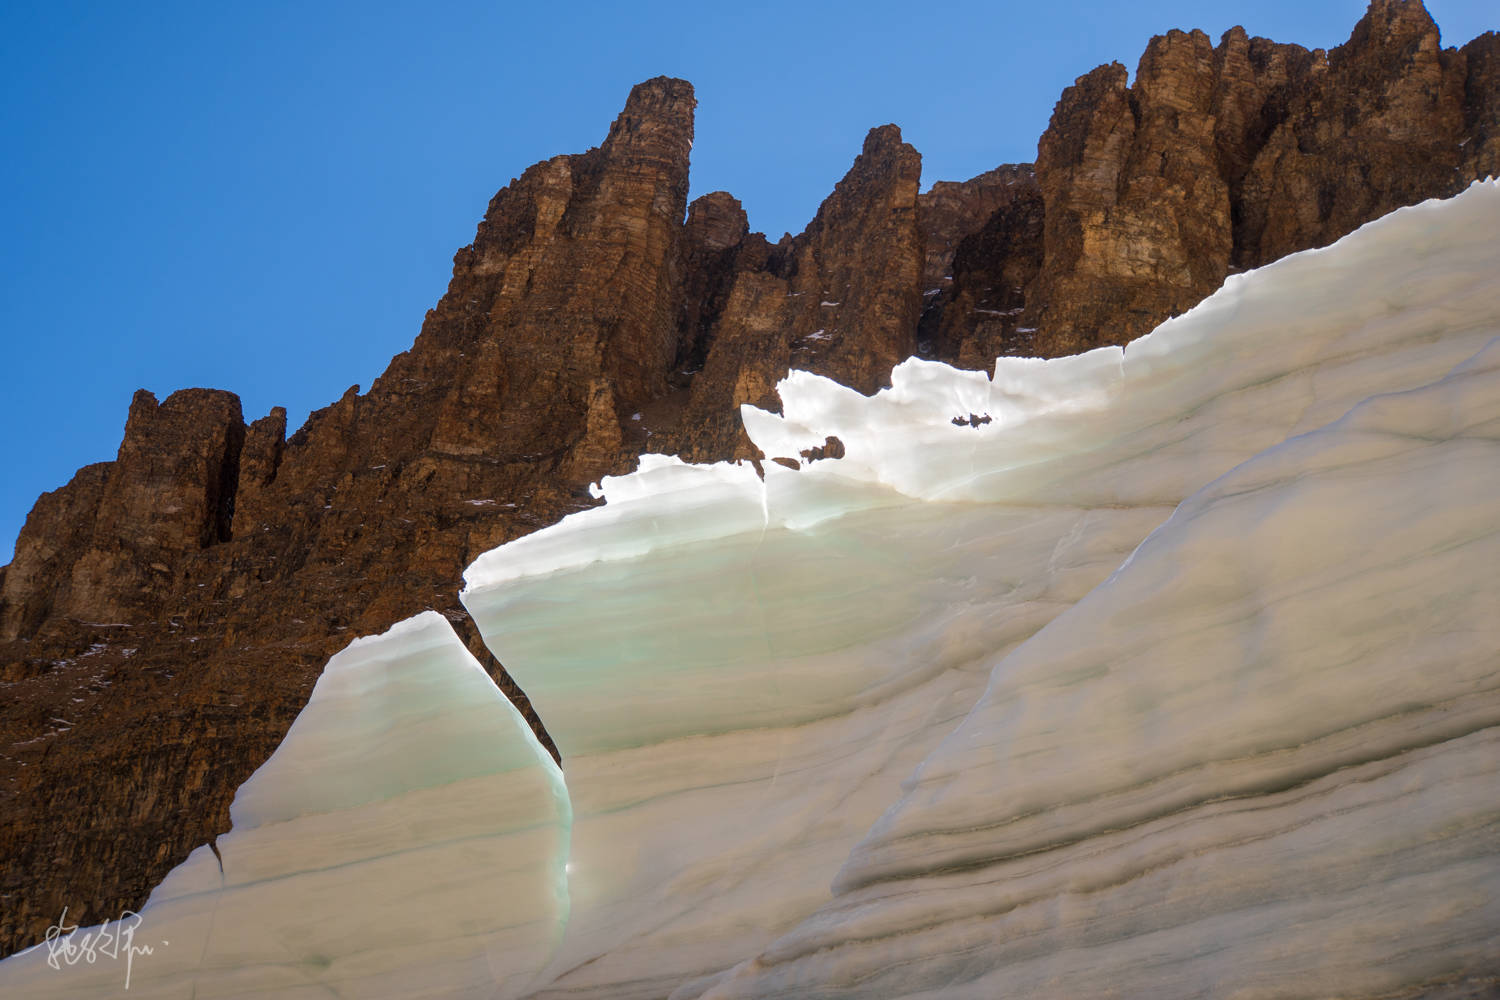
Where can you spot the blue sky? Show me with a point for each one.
(266, 197)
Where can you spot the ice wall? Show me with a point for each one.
(1261, 760)
(405, 840)
(740, 674)
(1164, 671)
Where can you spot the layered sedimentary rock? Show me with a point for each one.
(1220, 158)
(1136, 219)
(166, 614)
(57, 533)
(107, 545)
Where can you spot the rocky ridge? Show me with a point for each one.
(166, 613)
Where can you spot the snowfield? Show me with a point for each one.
(1179, 676)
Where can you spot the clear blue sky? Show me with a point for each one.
(265, 197)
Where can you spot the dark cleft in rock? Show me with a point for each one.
(977, 315)
(1481, 142)
(714, 242)
(841, 299)
(950, 211)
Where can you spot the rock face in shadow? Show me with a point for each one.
(950, 211)
(976, 314)
(167, 613)
(841, 299)
(1481, 142)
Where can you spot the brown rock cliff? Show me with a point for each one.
(107, 545)
(1219, 159)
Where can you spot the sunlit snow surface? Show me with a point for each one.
(1258, 759)
(1177, 678)
(405, 840)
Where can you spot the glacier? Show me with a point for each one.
(1179, 676)
(1262, 759)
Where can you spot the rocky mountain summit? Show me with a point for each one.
(167, 613)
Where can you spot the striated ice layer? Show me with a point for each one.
(741, 673)
(406, 839)
(939, 718)
(1261, 760)
(726, 746)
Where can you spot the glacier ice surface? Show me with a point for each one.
(1261, 760)
(741, 673)
(1176, 677)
